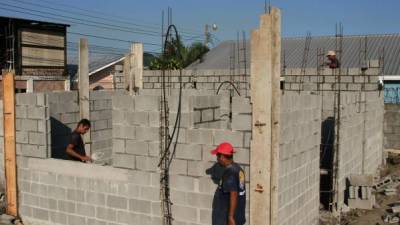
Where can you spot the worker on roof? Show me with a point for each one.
(230, 197)
(333, 61)
(76, 148)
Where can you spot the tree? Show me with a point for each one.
(178, 56)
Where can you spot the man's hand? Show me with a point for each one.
(231, 220)
(86, 158)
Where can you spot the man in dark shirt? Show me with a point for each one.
(333, 61)
(76, 148)
(230, 197)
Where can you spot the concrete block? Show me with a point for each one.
(154, 119)
(199, 136)
(66, 206)
(198, 169)
(147, 103)
(147, 133)
(56, 192)
(101, 115)
(118, 145)
(140, 206)
(185, 213)
(40, 214)
(199, 200)
(58, 217)
(137, 118)
(127, 217)
(154, 148)
(188, 151)
(72, 220)
(207, 115)
(100, 125)
(94, 198)
(117, 202)
(25, 99)
(146, 163)
(31, 200)
(233, 137)
(123, 101)
(242, 122)
(118, 116)
(150, 193)
(37, 138)
(182, 183)
(20, 111)
(35, 112)
(22, 137)
(241, 105)
(124, 161)
(28, 125)
(106, 214)
(179, 167)
(75, 195)
(123, 132)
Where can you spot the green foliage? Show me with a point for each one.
(179, 56)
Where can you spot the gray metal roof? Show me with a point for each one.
(293, 51)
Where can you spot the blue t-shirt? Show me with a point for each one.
(233, 180)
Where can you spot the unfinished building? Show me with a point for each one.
(298, 143)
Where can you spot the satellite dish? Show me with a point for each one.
(214, 27)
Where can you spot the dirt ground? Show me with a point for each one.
(376, 215)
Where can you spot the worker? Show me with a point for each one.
(76, 148)
(230, 197)
(333, 61)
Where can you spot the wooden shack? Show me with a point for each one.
(33, 48)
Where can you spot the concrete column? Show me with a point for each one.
(29, 85)
(67, 85)
(138, 66)
(265, 98)
(84, 87)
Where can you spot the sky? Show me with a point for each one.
(118, 22)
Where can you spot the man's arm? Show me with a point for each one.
(233, 196)
(70, 151)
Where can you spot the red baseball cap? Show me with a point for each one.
(224, 149)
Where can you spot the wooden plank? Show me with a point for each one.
(9, 143)
(84, 89)
(394, 151)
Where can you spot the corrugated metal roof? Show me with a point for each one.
(293, 51)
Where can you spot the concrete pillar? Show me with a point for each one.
(67, 85)
(29, 85)
(84, 87)
(138, 66)
(265, 98)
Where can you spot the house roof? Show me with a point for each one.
(293, 51)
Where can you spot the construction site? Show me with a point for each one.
(317, 141)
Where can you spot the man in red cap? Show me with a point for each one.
(230, 197)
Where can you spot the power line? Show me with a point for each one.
(157, 25)
(111, 39)
(97, 17)
(94, 24)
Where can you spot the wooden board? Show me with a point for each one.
(9, 144)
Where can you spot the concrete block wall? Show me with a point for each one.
(32, 126)
(351, 79)
(118, 77)
(55, 191)
(101, 120)
(392, 126)
(198, 79)
(299, 159)
(137, 148)
(361, 134)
